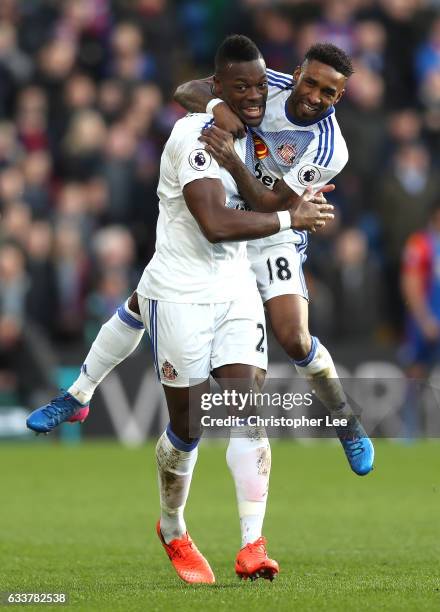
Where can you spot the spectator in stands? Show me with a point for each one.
(26, 359)
(276, 34)
(364, 126)
(72, 270)
(420, 285)
(113, 249)
(369, 40)
(42, 298)
(10, 149)
(112, 100)
(37, 168)
(398, 17)
(85, 109)
(420, 282)
(32, 119)
(356, 283)
(337, 24)
(427, 57)
(130, 62)
(430, 98)
(16, 222)
(83, 145)
(405, 195)
(11, 186)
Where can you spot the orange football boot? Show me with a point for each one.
(252, 562)
(188, 561)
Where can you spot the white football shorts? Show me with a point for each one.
(278, 269)
(191, 340)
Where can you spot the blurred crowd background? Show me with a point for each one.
(86, 106)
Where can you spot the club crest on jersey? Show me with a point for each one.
(261, 150)
(168, 371)
(308, 175)
(287, 152)
(199, 159)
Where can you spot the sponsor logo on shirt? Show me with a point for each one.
(308, 175)
(199, 159)
(266, 179)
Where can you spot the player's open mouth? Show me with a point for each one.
(253, 112)
(310, 110)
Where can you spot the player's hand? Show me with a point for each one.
(227, 120)
(313, 211)
(325, 189)
(220, 145)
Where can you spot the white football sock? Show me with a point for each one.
(249, 459)
(174, 468)
(319, 369)
(116, 340)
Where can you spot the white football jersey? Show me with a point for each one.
(301, 153)
(186, 267)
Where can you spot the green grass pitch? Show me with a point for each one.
(81, 520)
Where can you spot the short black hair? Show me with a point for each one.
(333, 56)
(236, 48)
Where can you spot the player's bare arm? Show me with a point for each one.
(220, 145)
(205, 199)
(195, 95)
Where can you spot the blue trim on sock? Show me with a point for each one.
(129, 319)
(311, 356)
(178, 443)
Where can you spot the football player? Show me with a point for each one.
(298, 144)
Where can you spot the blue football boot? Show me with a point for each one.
(62, 408)
(357, 446)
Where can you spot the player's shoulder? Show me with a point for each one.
(279, 85)
(279, 80)
(184, 152)
(331, 150)
(193, 123)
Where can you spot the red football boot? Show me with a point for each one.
(189, 563)
(252, 562)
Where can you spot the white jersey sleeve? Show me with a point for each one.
(324, 158)
(187, 154)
